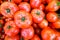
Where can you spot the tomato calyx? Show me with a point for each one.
(8, 10)
(38, 13)
(58, 3)
(23, 19)
(9, 27)
(0, 25)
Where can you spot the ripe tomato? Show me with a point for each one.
(8, 9)
(52, 6)
(11, 38)
(37, 15)
(43, 24)
(41, 7)
(48, 1)
(24, 6)
(52, 16)
(48, 34)
(56, 24)
(35, 3)
(11, 29)
(26, 0)
(35, 37)
(8, 19)
(27, 33)
(23, 19)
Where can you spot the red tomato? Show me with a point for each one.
(26, 0)
(11, 38)
(48, 34)
(37, 15)
(8, 9)
(41, 7)
(56, 24)
(11, 29)
(23, 19)
(44, 1)
(24, 6)
(52, 6)
(43, 24)
(35, 3)
(52, 16)
(27, 33)
(35, 37)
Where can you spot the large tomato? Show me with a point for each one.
(37, 15)
(11, 38)
(35, 37)
(48, 34)
(8, 9)
(27, 33)
(52, 16)
(23, 19)
(24, 6)
(35, 3)
(11, 29)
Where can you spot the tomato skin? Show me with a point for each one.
(24, 6)
(37, 15)
(52, 6)
(23, 19)
(35, 37)
(11, 29)
(27, 33)
(8, 9)
(52, 17)
(43, 24)
(41, 7)
(35, 3)
(48, 34)
(11, 38)
(26, 0)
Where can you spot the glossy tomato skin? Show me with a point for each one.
(25, 6)
(41, 7)
(8, 9)
(52, 6)
(43, 24)
(37, 15)
(23, 19)
(48, 34)
(11, 29)
(52, 16)
(11, 38)
(35, 37)
(35, 3)
(27, 33)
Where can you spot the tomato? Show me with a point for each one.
(25, 6)
(8, 9)
(48, 34)
(44, 1)
(11, 38)
(56, 24)
(41, 7)
(58, 37)
(52, 6)
(43, 24)
(23, 19)
(35, 25)
(8, 19)
(35, 3)
(27, 33)
(11, 29)
(52, 16)
(48, 1)
(35, 37)
(26, 0)
(37, 15)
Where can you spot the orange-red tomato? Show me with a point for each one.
(48, 34)
(23, 19)
(52, 6)
(11, 38)
(52, 16)
(27, 33)
(43, 24)
(35, 3)
(8, 9)
(24, 6)
(37, 15)
(35, 37)
(48, 1)
(11, 29)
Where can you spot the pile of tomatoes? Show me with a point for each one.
(29, 20)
